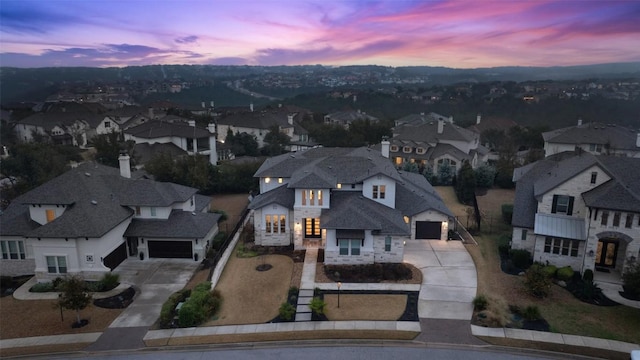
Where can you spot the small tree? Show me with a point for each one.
(74, 295)
(631, 279)
(537, 281)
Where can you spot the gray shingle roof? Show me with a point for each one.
(563, 171)
(619, 137)
(263, 120)
(280, 195)
(157, 129)
(181, 224)
(415, 195)
(428, 133)
(351, 210)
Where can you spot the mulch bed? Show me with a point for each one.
(119, 301)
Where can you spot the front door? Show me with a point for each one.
(132, 244)
(606, 254)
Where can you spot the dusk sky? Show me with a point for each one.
(461, 34)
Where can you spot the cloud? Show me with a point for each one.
(16, 18)
(186, 39)
(228, 61)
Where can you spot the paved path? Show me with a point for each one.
(307, 285)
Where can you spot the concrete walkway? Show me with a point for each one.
(307, 285)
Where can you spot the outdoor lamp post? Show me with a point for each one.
(339, 286)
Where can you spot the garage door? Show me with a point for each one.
(428, 229)
(169, 249)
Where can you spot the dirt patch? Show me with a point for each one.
(381, 307)
(233, 205)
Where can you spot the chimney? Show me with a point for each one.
(478, 118)
(251, 107)
(202, 103)
(451, 119)
(440, 126)
(579, 122)
(192, 123)
(211, 104)
(213, 153)
(150, 113)
(385, 147)
(638, 140)
(290, 119)
(212, 128)
(125, 165)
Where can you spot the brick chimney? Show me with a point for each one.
(125, 165)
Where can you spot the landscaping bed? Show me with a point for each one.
(119, 301)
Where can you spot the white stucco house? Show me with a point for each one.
(594, 138)
(351, 202)
(91, 218)
(579, 210)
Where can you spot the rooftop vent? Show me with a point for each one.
(87, 174)
(94, 202)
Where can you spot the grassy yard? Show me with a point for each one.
(561, 309)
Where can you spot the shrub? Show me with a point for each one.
(588, 275)
(317, 305)
(94, 286)
(110, 281)
(42, 287)
(507, 213)
(565, 273)
(188, 315)
(550, 270)
(169, 306)
(631, 279)
(536, 281)
(587, 291)
(531, 313)
(504, 244)
(200, 306)
(480, 302)
(287, 311)
(521, 258)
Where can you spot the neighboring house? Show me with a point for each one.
(91, 218)
(352, 202)
(436, 143)
(419, 119)
(595, 138)
(259, 123)
(178, 132)
(345, 118)
(123, 118)
(579, 210)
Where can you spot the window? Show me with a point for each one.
(153, 211)
(275, 224)
(339, 186)
(279, 180)
(605, 218)
(350, 246)
(566, 247)
(387, 243)
(406, 149)
(12, 249)
(379, 191)
(629, 221)
(138, 212)
(562, 204)
(309, 197)
(107, 124)
(594, 176)
(523, 235)
(283, 224)
(51, 215)
(420, 150)
(267, 180)
(312, 227)
(616, 218)
(56, 264)
(397, 160)
(394, 148)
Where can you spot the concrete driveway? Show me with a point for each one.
(154, 280)
(449, 279)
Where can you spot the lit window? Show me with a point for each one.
(267, 180)
(406, 219)
(339, 186)
(379, 191)
(51, 215)
(279, 180)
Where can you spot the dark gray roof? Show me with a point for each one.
(623, 191)
(330, 165)
(563, 171)
(619, 137)
(181, 224)
(415, 195)
(428, 133)
(158, 128)
(352, 211)
(263, 120)
(50, 120)
(347, 117)
(280, 195)
(144, 152)
(96, 199)
(15, 220)
(202, 202)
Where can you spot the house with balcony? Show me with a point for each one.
(594, 138)
(434, 144)
(579, 210)
(91, 218)
(351, 202)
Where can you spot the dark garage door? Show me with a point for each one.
(169, 249)
(428, 229)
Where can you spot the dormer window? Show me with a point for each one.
(406, 149)
(394, 148)
(420, 150)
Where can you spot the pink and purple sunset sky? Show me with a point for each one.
(460, 34)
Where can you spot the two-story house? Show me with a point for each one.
(345, 118)
(595, 138)
(174, 132)
(579, 210)
(352, 202)
(436, 143)
(91, 218)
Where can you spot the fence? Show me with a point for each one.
(230, 239)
